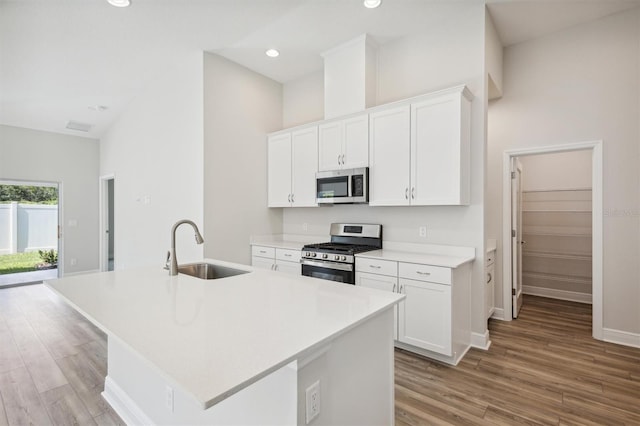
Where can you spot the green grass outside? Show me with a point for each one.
(19, 262)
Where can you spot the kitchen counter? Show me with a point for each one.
(212, 338)
(435, 259)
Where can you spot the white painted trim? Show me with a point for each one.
(621, 337)
(71, 274)
(123, 405)
(498, 314)
(103, 216)
(481, 340)
(597, 228)
(572, 296)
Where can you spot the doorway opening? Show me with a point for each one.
(30, 240)
(553, 227)
(107, 223)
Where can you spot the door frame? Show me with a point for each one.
(597, 213)
(104, 220)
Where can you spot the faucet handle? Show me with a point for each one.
(166, 264)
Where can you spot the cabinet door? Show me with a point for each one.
(356, 142)
(439, 152)
(380, 282)
(291, 268)
(304, 166)
(424, 318)
(330, 146)
(262, 262)
(389, 161)
(279, 170)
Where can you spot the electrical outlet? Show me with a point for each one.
(169, 398)
(422, 231)
(73, 261)
(313, 401)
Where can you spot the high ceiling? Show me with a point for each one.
(61, 59)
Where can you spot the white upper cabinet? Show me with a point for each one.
(344, 144)
(292, 166)
(304, 166)
(279, 170)
(440, 158)
(419, 152)
(389, 156)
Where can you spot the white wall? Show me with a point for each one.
(407, 67)
(303, 100)
(561, 170)
(73, 161)
(240, 108)
(494, 60)
(581, 84)
(155, 151)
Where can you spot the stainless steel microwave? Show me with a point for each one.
(343, 186)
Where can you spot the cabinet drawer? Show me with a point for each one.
(414, 271)
(288, 255)
(263, 251)
(376, 266)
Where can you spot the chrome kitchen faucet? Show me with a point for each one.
(173, 269)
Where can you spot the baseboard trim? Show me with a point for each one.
(551, 293)
(71, 274)
(124, 406)
(481, 340)
(621, 337)
(498, 314)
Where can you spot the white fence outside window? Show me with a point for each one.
(28, 227)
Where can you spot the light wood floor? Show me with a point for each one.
(543, 368)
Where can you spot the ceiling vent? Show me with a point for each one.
(76, 125)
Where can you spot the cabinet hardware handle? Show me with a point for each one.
(289, 198)
(292, 199)
(338, 159)
(375, 266)
(488, 278)
(401, 289)
(394, 288)
(263, 251)
(342, 159)
(413, 193)
(423, 273)
(272, 265)
(406, 193)
(275, 267)
(287, 255)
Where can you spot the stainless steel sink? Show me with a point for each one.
(208, 271)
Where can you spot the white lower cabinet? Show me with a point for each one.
(276, 259)
(380, 282)
(424, 318)
(434, 318)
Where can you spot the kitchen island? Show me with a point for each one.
(245, 349)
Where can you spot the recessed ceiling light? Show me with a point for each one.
(119, 3)
(372, 4)
(272, 53)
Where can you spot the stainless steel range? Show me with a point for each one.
(335, 260)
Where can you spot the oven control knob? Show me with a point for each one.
(324, 256)
(314, 254)
(307, 254)
(344, 257)
(336, 257)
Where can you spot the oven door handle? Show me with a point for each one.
(328, 265)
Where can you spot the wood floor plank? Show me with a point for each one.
(10, 358)
(65, 408)
(86, 381)
(21, 399)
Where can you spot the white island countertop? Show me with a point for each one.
(213, 338)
